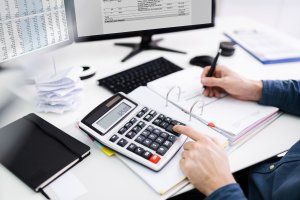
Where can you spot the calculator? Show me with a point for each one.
(135, 131)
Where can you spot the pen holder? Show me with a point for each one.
(169, 92)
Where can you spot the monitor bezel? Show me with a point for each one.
(137, 33)
(43, 50)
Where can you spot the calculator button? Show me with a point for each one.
(170, 130)
(141, 124)
(140, 114)
(174, 122)
(145, 133)
(139, 151)
(164, 125)
(159, 140)
(168, 120)
(136, 129)
(147, 142)
(156, 131)
(133, 120)
(167, 144)
(162, 150)
(152, 136)
(140, 139)
(122, 130)
(150, 128)
(122, 142)
(164, 135)
(128, 125)
(172, 138)
(130, 134)
(114, 138)
(131, 147)
(146, 155)
(154, 146)
(145, 109)
(157, 122)
(154, 159)
(161, 117)
(152, 113)
(148, 118)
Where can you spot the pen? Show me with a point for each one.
(214, 65)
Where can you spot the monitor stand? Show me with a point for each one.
(146, 44)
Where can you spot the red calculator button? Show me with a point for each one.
(154, 158)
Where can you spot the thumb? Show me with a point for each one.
(212, 82)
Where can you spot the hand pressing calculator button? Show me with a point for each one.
(133, 130)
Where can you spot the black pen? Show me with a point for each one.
(214, 65)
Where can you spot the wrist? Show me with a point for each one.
(257, 90)
(215, 185)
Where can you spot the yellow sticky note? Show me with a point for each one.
(108, 151)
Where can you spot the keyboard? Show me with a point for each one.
(133, 130)
(131, 79)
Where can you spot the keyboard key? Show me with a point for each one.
(152, 136)
(164, 125)
(128, 125)
(170, 130)
(136, 129)
(164, 135)
(153, 113)
(157, 122)
(162, 150)
(148, 118)
(122, 130)
(156, 131)
(167, 144)
(172, 138)
(154, 159)
(141, 124)
(147, 142)
(114, 138)
(140, 114)
(139, 151)
(130, 134)
(145, 133)
(161, 117)
(133, 120)
(122, 142)
(145, 109)
(146, 155)
(150, 128)
(140, 139)
(168, 120)
(154, 146)
(131, 147)
(159, 140)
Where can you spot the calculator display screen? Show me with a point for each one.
(114, 115)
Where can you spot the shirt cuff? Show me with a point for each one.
(228, 192)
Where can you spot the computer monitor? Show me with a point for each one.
(30, 25)
(110, 19)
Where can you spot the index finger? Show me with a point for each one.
(188, 131)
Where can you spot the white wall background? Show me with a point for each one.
(280, 14)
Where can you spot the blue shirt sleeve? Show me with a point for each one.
(228, 192)
(282, 94)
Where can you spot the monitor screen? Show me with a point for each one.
(29, 25)
(109, 17)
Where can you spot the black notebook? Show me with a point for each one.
(37, 152)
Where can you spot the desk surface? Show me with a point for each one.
(103, 176)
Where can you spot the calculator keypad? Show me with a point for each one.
(152, 141)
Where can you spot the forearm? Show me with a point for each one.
(228, 192)
(282, 94)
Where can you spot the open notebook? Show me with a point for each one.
(170, 179)
(233, 118)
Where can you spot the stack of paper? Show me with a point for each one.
(59, 92)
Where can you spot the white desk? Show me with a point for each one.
(108, 178)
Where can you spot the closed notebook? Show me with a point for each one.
(38, 152)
